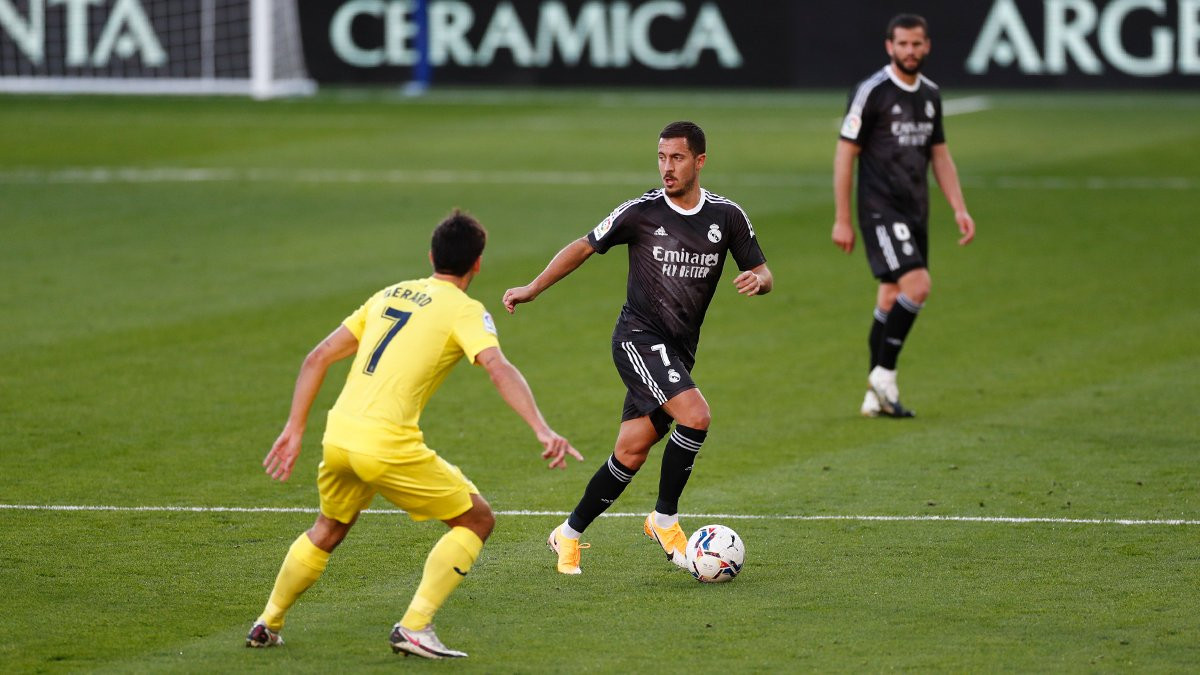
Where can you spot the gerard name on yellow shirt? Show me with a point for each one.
(416, 297)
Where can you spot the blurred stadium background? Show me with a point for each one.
(282, 47)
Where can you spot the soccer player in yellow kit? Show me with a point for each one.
(404, 339)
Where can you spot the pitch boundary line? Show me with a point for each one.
(950, 107)
(715, 516)
(108, 175)
(965, 106)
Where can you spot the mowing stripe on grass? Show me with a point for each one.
(105, 175)
(521, 512)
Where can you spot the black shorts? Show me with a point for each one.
(894, 245)
(653, 373)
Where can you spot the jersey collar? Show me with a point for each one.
(687, 212)
(891, 72)
(441, 282)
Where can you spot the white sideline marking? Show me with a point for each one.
(105, 175)
(714, 516)
(965, 106)
(950, 107)
(166, 174)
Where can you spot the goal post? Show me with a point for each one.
(233, 47)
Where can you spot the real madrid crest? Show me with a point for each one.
(714, 233)
(929, 109)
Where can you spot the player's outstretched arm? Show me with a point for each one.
(946, 174)
(337, 346)
(564, 262)
(843, 186)
(757, 281)
(516, 393)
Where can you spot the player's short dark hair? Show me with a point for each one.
(689, 130)
(908, 22)
(458, 242)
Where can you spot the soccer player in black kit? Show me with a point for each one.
(893, 127)
(677, 237)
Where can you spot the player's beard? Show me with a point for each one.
(906, 70)
(681, 188)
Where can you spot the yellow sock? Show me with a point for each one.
(447, 564)
(301, 569)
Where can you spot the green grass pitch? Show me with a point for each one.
(166, 264)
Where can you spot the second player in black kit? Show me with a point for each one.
(678, 238)
(893, 128)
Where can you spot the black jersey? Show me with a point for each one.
(675, 261)
(896, 126)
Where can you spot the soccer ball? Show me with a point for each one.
(715, 553)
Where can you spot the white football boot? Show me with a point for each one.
(870, 405)
(423, 643)
(882, 381)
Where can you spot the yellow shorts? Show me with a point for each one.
(428, 489)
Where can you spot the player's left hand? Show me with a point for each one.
(557, 449)
(748, 283)
(282, 457)
(966, 225)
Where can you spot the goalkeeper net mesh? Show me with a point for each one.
(152, 46)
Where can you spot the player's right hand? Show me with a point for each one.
(515, 296)
(843, 236)
(556, 449)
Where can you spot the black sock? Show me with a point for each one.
(899, 322)
(875, 338)
(677, 461)
(602, 490)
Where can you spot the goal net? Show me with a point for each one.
(246, 47)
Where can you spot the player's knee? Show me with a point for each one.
(915, 285)
(919, 292)
(631, 458)
(480, 519)
(886, 300)
(327, 533)
(699, 418)
(486, 523)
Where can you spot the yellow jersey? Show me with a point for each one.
(409, 337)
